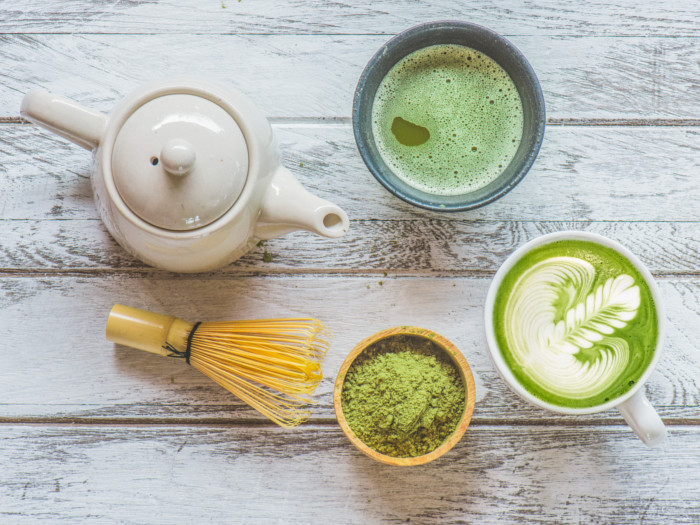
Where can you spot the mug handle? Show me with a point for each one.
(643, 419)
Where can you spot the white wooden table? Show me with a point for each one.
(93, 433)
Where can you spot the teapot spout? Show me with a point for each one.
(288, 206)
(64, 117)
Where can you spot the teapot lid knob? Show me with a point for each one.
(178, 157)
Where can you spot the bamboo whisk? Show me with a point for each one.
(271, 364)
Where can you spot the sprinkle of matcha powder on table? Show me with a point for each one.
(402, 396)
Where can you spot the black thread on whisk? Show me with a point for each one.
(188, 349)
(174, 352)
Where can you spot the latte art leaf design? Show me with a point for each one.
(562, 329)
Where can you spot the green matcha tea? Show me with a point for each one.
(447, 119)
(403, 397)
(576, 323)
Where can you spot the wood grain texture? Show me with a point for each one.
(65, 346)
(103, 474)
(590, 17)
(581, 174)
(404, 247)
(638, 78)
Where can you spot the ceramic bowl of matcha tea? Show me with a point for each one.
(448, 116)
(404, 396)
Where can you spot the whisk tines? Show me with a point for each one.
(274, 365)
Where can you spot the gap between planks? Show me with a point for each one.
(320, 422)
(585, 122)
(387, 34)
(146, 272)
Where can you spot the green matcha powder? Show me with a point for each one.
(403, 396)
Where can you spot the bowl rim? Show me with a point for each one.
(465, 373)
(426, 199)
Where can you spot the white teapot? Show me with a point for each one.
(187, 174)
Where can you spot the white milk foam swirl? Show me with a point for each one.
(554, 314)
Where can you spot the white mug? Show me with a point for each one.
(633, 404)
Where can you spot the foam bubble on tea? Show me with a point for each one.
(447, 119)
(576, 323)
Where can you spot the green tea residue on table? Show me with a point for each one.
(403, 396)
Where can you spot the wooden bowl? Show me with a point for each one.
(464, 371)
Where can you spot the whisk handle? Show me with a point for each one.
(140, 329)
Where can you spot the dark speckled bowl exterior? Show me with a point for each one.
(492, 45)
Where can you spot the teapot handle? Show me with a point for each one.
(64, 117)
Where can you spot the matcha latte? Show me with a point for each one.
(447, 119)
(576, 323)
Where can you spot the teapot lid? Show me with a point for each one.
(180, 161)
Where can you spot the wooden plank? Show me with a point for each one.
(590, 17)
(582, 174)
(605, 78)
(107, 474)
(57, 363)
(416, 246)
